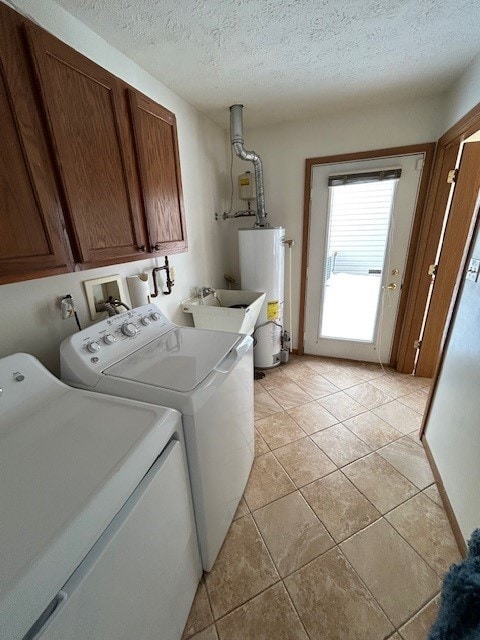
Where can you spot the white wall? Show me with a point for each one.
(464, 94)
(29, 318)
(284, 148)
(453, 428)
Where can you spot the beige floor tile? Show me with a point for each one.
(261, 446)
(409, 458)
(399, 416)
(418, 627)
(425, 526)
(333, 603)
(242, 570)
(393, 385)
(269, 615)
(396, 575)
(304, 461)
(292, 532)
(312, 417)
(207, 634)
(415, 436)
(321, 365)
(420, 383)
(265, 405)
(416, 401)
(342, 406)
(257, 386)
(433, 493)
(289, 394)
(279, 429)
(274, 377)
(242, 509)
(368, 395)
(340, 505)
(366, 370)
(317, 386)
(381, 483)
(395, 636)
(340, 444)
(299, 370)
(268, 481)
(342, 378)
(372, 429)
(200, 616)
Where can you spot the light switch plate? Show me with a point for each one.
(473, 269)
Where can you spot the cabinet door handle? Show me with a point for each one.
(155, 247)
(142, 248)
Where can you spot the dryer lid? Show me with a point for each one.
(178, 360)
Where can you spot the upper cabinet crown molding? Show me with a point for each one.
(90, 169)
(33, 240)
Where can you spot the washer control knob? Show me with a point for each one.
(93, 347)
(145, 321)
(109, 339)
(129, 329)
(155, 315)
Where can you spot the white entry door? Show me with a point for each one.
(361, 218)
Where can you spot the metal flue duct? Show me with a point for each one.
(236, 133)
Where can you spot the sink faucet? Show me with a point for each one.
(206, 291)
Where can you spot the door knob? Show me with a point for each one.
(391, 287)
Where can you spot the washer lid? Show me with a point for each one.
(178, 360)
(67, 465)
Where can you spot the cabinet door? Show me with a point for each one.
(87, 113)
(32, 236)
(156, 145)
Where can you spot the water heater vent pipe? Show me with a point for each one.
(236, 133)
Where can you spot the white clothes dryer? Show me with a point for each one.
(97, 534)
(207, 375)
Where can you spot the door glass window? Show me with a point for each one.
(359, 216)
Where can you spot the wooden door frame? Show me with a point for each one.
(428, 148)
(429, 239)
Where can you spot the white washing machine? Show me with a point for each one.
(97, 534)
(207, 375)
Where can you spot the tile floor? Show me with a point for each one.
(341, 534)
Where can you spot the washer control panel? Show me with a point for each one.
(87, 353)
(115, 337)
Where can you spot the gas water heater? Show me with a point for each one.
(262, 256)
(262, 267)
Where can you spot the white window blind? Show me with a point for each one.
(359, 221)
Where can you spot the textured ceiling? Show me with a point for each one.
(286, 59)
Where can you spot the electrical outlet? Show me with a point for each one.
(473, 269)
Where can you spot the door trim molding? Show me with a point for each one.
(430, 234)
(428, 148)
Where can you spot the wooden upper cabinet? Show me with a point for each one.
(87, 112)
(156, 146)
(32, 237)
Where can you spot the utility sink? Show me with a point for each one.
(226, 310)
